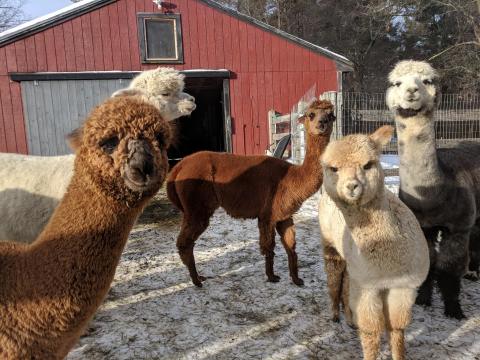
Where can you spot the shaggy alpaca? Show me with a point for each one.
(378, 237)
(38, 182)
(261, 187)
(51, 288)
(441, 187)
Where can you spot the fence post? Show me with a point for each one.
(271, 130)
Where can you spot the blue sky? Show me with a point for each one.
(36, 8)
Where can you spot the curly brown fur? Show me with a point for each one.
(51, 289)
(261, 187)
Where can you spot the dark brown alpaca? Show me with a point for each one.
(250, 187)
(49, 290)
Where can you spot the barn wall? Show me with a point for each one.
(54, 108)
(269, 71)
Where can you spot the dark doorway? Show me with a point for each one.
(204, 129)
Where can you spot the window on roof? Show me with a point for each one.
(160, 38)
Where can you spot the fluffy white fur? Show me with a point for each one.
(32, 186)
(162, 87)
(30, 189)
(413, 86)
(380, 239)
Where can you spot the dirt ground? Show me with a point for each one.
(154, 312)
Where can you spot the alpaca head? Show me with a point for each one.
(122, 149)
(352, 173)
(413, 88)
(163, 87)
(319, 118)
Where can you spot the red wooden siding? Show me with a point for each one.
(269, 71)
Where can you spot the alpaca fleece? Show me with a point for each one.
(51, 289)
(376, 255)
(261, 187)
(441, 186)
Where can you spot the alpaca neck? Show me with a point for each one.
(306, 179)
(420, 172)
(78, 250)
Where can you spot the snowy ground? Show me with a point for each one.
(154, 312)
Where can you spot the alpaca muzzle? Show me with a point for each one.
(140, 167)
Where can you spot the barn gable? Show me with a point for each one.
(269, 68)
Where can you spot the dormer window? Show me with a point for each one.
(160, 38)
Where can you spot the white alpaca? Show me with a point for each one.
(162, 87)
(32, 186)
(378, 237)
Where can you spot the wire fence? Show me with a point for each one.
(457, 117)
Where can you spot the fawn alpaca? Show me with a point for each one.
(379, 238)
(261, 187)
(51, 288)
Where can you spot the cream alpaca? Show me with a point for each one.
(376, 235)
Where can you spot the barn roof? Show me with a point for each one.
(76, 9)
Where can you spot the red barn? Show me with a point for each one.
(54, 69)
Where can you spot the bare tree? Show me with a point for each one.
(11, 13)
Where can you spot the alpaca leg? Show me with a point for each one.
(367, 308)
(334, 267)
(425, 291)
(267, 246)
(452, 262)
(286, 230)
(398, 313)
(474, 250)
(190, 231)
(345, 298)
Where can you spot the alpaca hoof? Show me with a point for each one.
(472, 275)
(198, 281)
(423, 300)
(274, 278)
(454, 311)
(298, 281)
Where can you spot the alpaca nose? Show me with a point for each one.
(412, 89)
(140, 159)
(352, 186)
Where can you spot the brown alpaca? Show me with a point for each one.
(250, 187)
(51, 288)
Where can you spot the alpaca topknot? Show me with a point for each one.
(159, 80)
(406, 67)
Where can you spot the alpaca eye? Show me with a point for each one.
(166, 94)
(311, 115)
(397, 84)
(368, 165)
(333, 169)
(109, 145)
(427, 82)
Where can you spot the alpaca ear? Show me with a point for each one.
(75, 139)
(127, 92)
(382, 135)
